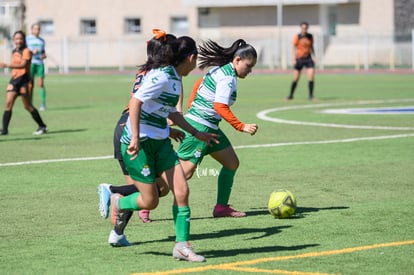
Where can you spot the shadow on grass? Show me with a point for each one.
(302, 211)
(69, 108)
(44, 136)
(265, 232)
(260, 212)
(23, 139)
(220, 253)
(66, 131)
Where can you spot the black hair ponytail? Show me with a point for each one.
(212, 54)
(160, 52)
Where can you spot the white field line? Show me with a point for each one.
(263, 115)
(53, 160)
(347, 140)
(236, 147)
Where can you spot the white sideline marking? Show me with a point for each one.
(53, 160)
(236, 147)
(323, 141)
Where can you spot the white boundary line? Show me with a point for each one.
(53, 160)
(263, 115)
(347, 140)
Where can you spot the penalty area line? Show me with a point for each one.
(236, 265)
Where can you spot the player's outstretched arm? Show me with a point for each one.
(179, 120)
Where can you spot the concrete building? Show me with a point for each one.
(112, 33)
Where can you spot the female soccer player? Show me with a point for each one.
(216, 93)
(147, 151)
(154, 60)
(20, 84)
(36, 45)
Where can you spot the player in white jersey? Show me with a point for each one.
(214, 96)
(36, 45)
(154, 46)
(148, 153)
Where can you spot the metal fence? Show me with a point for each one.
(362, 52)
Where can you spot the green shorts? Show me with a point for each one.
(154, 157)
(37, 70)
(194, 150)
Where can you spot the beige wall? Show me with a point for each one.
(109, 15)
(377, 16)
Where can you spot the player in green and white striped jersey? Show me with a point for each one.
(216, 93)
(148, 153)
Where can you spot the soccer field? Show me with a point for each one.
(347, 157)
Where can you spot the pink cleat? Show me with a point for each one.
(144, 215)
(221, 210)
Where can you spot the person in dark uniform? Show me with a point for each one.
(303, 56)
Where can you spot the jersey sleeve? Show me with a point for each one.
(295, 40)
(27, 55)
(224, 111)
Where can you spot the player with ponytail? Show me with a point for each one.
(211, 103)
(148, 153)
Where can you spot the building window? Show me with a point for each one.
(132, 25)
(47, 27)
(179, 25)
(88, 26)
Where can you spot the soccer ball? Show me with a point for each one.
(282, 204)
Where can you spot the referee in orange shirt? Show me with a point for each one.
(303, 57)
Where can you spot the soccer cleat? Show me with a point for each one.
(104, 193)
(3, 132)
(40, 131)
(183, 251)
(42, 108)
(116, 240)
(144, 216)
(119, 217)
(289, 98)
(221, 210)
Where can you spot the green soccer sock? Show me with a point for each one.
(181, 215)
(224, 185)
(42, 93)
(129, 202)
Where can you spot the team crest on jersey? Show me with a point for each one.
(146, 170)
(197, 153)
(154, 80)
